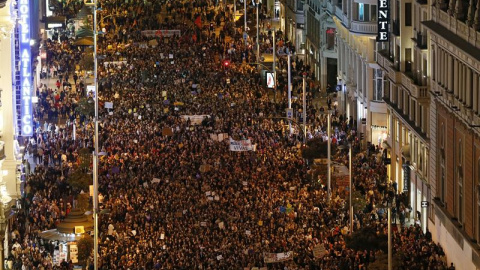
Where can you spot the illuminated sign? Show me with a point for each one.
(383, 8)
(25, 69)
(270, 80)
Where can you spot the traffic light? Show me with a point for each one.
(226, 63)
(362, 136)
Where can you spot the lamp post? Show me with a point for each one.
(274, 68)
(329, 161)
(245, 14)
(234, 12)
(95, 152)
(289, 91)
(258, 44)
(304, 112)
(3, 226)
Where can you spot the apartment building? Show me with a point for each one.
(454, 38)
(404, 61)
(359, 77)
(320, 47)
(292, 21)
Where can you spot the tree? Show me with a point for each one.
(358, 201)
(367, 238)
(80, 178)
(317, 148)
(86, 62)
(85, 247)
(381, 262)
(83, 201)
(86, 106)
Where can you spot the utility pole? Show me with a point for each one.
(234, 12)
(274, 68)
(289, 91)
(350, 186)
(258, 43)
(95, 153)
(245, 14)
(304, 108)
(389, 212)
(329, 158)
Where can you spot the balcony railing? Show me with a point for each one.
(364, 27)
(415, 85)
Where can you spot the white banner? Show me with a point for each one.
(277, 257)
(195, 119)
(160, 33)
(243, 145)
(115, 63)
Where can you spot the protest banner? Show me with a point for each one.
(319, 251)
(161, 33)
(277, 257)
(242, 145)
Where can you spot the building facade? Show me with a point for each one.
(453, 43)
(359, 77)
(292, 21)
(405, 65)
(320, 46)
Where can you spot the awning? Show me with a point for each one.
(54, 235)
(55, 22)
(85, 41)
(83, 32)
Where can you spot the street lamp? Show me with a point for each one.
(3, 227)
(349, 147)
(95, 152)
(304, 113)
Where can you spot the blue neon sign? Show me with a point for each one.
(25, 69)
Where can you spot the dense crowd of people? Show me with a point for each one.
(177, 197)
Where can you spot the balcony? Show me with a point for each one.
(415, 86)
(369, 28)
(342, 17)
(384, 59)
(396, 28)
(421, 40)
(405, 119)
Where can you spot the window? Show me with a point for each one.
(364, 12)
(408, 14)
(377, 84)
(330, 38)
(397, 130)
(361, 12)
(460, 193)
(441, 144)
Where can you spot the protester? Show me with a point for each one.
(176, 196)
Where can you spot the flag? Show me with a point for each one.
(198, 21)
